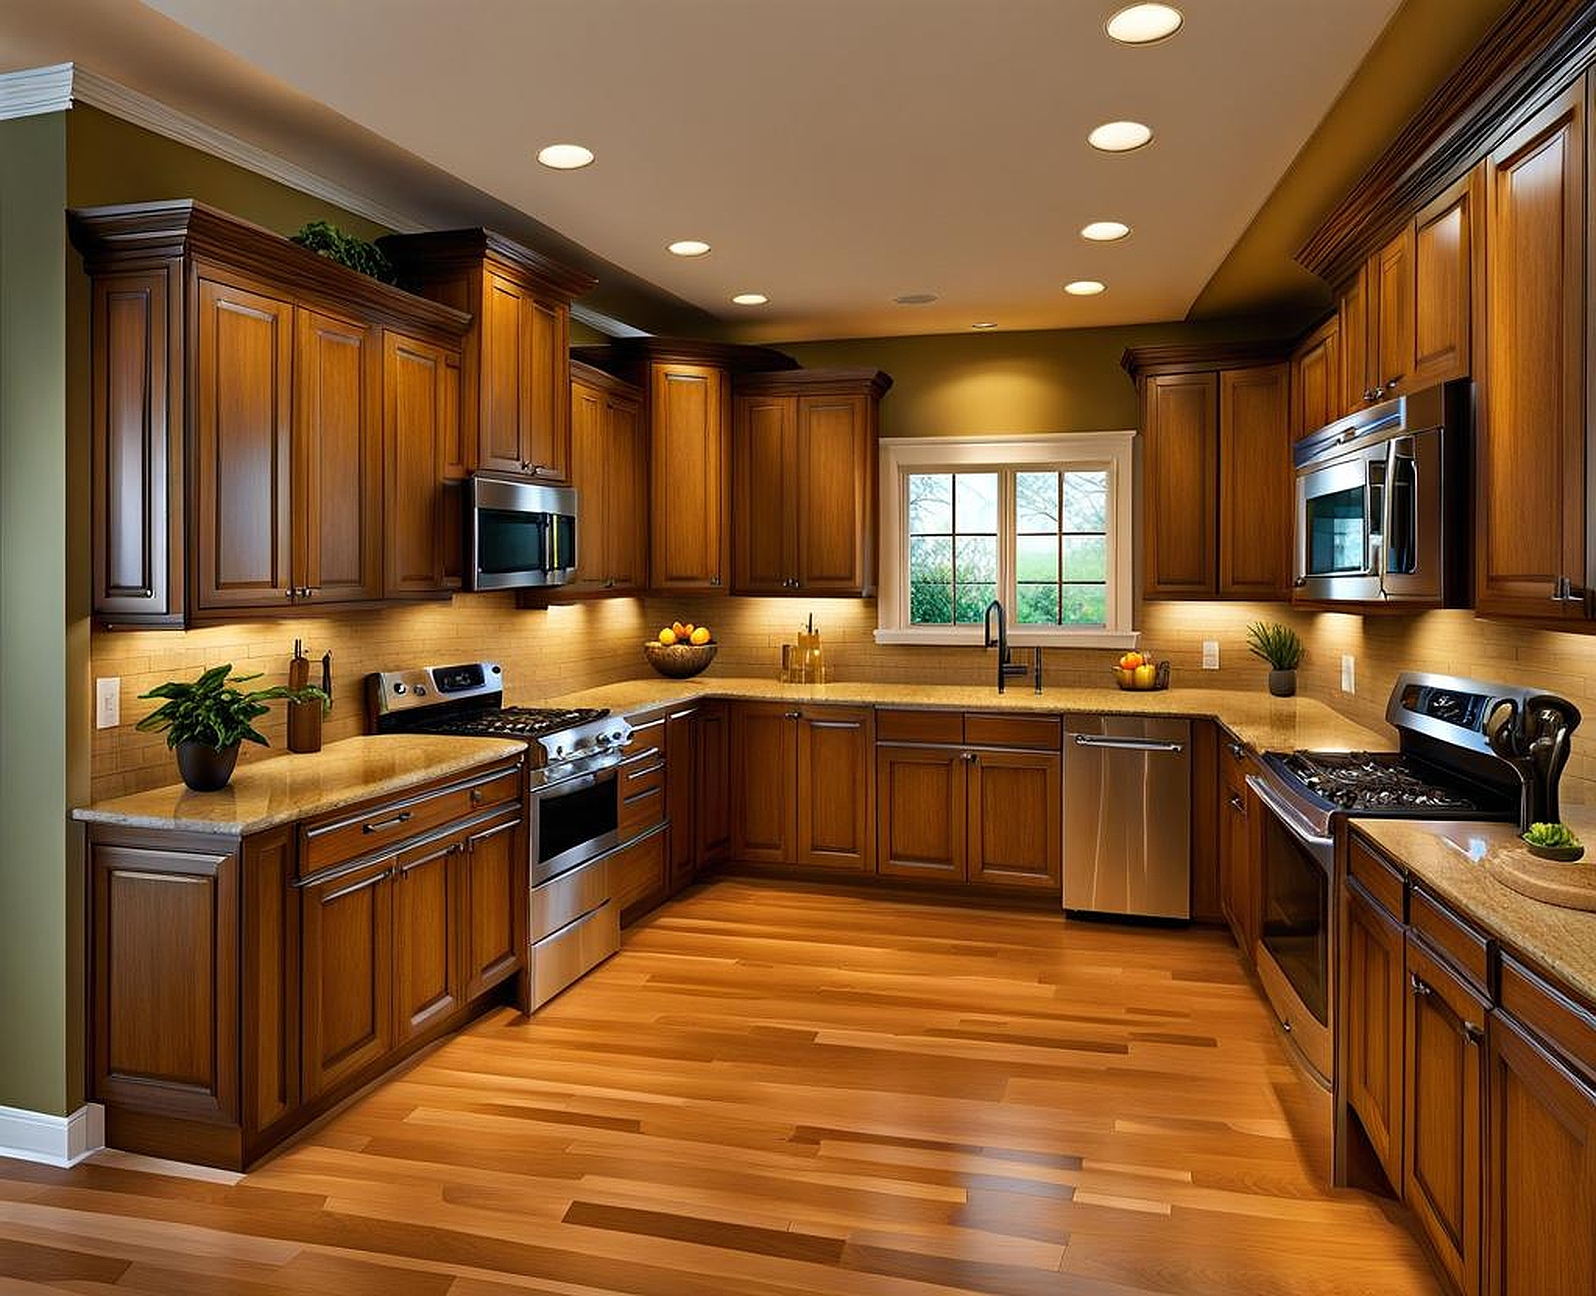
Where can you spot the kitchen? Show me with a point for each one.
(1340, 1048)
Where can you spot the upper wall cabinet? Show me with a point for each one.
(1316, 391)
(1216, 471)
(804, 482)
(242, 387)
(609, 468)
(516, 412)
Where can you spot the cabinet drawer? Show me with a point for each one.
(559, 960)
(348, 834)
(1035, 733)
(1380, 879)
(637, 871)
(642, 804)
(1466, 948)
(562, 900)
(646, 736)
(1568, 1027)
(920, 726)
(1233, 761)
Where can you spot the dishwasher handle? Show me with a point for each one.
(1129, 744)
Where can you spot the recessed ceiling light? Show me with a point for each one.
(915, 299)
(1120, 136)
(566, 157)
(689, 247)
(1083, 288)
(1105, 231)
(750, 299)
(984, 324)
(1143, 24)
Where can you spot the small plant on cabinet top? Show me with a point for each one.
(326, 239)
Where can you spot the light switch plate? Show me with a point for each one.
(1210, 654)
(108, 702)
(1349, 673)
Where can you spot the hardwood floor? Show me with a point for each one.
(771, 1091)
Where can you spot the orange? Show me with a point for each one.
(700, 636)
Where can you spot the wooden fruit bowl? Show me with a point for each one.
(679, 661)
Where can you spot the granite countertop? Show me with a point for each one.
(1262, 722)
(1450, 860)
(281, 789)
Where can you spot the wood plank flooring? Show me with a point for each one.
(772, 1091)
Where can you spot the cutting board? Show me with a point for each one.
(1573, 886)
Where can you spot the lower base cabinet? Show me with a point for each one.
(1375, 998)
(348, 941)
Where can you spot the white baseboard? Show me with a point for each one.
(54, 1140)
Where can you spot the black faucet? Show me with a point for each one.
(1006, 668)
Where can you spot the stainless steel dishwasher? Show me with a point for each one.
(1127, 816)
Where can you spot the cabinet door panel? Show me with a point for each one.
(763, 759)
(627, 508)
(270, 978)
(1015, 820)
(1356, 362)
(338, 452)
(1180, 421)
(1540, 1166)
(836, 801)
(591, 470)
(1444, 260)
(242, 442)
(1391, 308)
(546, 391)
(712, 807)
(764, 486)
(922, 799)
(426, 925)
(1444, 1112)
(1256, 485)
(835, 490)
(495, 902)
(681, 767)
(1239, 889)
(1316, 380)
(505, 349)
(421, 392)
(689, 421)
(1531, 498)
(1376, 1003)
(347, 987)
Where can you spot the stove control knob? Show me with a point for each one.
(559, 749)
(399, 689)
(617, 736)
(421, 690)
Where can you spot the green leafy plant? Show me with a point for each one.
(326, 239)
(1277, 644)
(210, 710)
(1554, 835)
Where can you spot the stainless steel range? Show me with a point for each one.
(572, 806)
(1466, 750)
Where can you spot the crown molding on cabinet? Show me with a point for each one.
(1199, 357)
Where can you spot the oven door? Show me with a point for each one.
(1294, 949)
(573, 821)
(518, 533)
(1341, 509)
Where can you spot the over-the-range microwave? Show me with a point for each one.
(518, 533)
(1382, 503)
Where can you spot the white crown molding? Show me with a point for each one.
(35, 91)
(53, 1140)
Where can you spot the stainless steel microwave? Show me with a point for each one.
(518, 533)
(1382, 504)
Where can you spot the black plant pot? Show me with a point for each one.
(205, 768)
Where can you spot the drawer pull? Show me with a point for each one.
(1473, 1034)
(1237, 750)
(793, 715)
(382, 825)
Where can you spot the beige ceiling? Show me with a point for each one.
(839, 152)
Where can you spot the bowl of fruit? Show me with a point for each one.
(1554, 841)
(681, 651)
(1140, 673)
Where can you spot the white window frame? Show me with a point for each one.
(1062, 451)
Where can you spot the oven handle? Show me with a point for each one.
(578, 782)
(1299, 827)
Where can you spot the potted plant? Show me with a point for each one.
(206, 719)
(1281, 647)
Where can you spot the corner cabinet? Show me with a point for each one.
(803, 483)
(1216, 471)
(243, 388)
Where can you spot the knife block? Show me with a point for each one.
(304, 726)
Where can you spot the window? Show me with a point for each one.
(1041, 524)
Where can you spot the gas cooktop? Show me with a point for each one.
(510, 722)
(1385, 783)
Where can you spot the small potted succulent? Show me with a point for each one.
(1554, 841)
(204, 721)
(1281, 647)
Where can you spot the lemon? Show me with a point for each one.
(700, 636)
(667, 636)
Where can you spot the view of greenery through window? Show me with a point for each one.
(1058, 530)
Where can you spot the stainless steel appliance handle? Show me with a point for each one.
(1385, 510)
(1292, 818)
(1129, 744)
(594, 769)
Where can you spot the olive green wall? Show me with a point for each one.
(969, 384)
(40, 1064)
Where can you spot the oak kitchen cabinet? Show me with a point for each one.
(1216, 470)
(242, 388)
(609, 468)
(239, 987)
(1316, 379)
(803, 482)
(1240, 886)
(969, 799)
(803, 791)
(516, 415)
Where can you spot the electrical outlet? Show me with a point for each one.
(1349, 673)
(1210, 654)
(108, 702)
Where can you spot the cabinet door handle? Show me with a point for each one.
(382, 825)
(714, 580)
(1237, 750)
(476, 796)
(1237, 804)
(1473, 1034)
(1418, 986)
(793, 715)
(290, 592)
